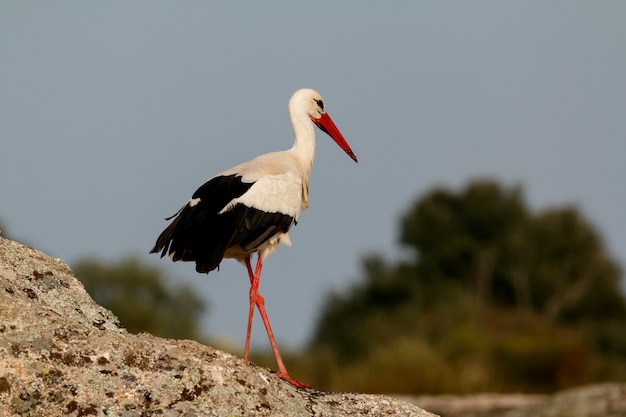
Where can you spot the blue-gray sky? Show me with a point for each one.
(113, 113)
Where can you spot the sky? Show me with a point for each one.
(113, 113)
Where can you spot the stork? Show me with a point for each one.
(251, 207)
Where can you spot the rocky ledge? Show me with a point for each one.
(61, 354)
(598, 400)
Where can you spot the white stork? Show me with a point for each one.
(251, 207)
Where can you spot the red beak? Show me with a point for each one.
(327, 125)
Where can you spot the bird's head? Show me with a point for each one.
(312, 102)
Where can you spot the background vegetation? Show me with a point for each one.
(489, 297)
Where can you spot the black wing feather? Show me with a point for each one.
(199, 233)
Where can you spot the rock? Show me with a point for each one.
(478, 405)
(599, 400)
(63, 355)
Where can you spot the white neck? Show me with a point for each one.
(303, 148)
(304, 144)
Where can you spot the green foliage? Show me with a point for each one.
(572, 275)
(142, 298)
(495, 297)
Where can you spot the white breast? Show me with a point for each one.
(278, 184)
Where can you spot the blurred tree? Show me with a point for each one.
(553, 263)
(474, 237)
(142, 298)
(571, 274)
(481, 258)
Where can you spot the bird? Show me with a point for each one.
(251, 207)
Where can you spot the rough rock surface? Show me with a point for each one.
(63, 355)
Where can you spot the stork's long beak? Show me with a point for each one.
(327, 125)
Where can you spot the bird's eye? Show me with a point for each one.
(320, 103)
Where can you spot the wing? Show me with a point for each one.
(218, 217)
(197, 233)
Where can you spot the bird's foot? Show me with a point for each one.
(285, 377)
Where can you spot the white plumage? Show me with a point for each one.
(278, 184)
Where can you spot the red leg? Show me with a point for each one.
(258, 300)
(250, 312)
(249, 267)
